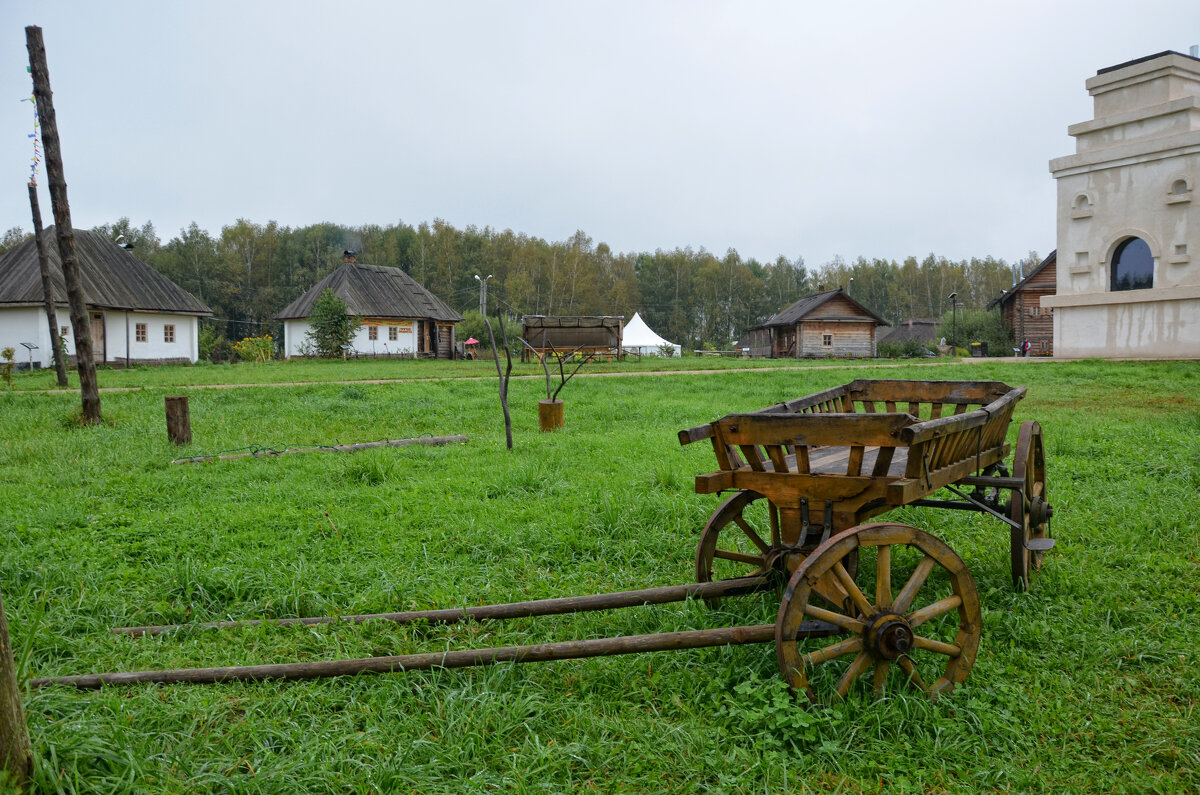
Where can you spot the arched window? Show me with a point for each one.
(1132, 266)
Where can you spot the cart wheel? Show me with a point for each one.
(1029, 509)
(737, 540)
(929, 629)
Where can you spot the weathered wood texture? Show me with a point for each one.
(550, 415)
(333, 448)
(536, 607)
(60, 365)
(598, 335)
(542, 652)
(802, 329)
(865, 447)
(179, 419)
(16, 756)
(1023, 310)
(80, 324)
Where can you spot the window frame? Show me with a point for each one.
(169, 333)
(1115, 275)
(141, 332)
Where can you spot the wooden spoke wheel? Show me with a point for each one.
(739, 540)
(1029, 507)
(918, 612)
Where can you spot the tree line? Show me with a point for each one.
(249, 272)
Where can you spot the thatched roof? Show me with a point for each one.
(112, 277)
(374, 291)
(805, 306)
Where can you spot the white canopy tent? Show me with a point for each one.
(640, 339)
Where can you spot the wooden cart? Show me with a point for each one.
(808, 475)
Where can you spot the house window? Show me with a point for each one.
(139, 332)
(372, 332)
(1133, 266)
(393, 333)
(827, 340)
(64, 331)
(168, 333)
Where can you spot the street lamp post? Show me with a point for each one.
(954, 322)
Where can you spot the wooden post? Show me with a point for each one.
(60, 366)
(179, 420)
(16, 757)
(80, 323)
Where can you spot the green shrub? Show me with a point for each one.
(256, 349)
(331, 326)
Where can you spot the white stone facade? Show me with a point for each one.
(1134, 175)
(167, 337)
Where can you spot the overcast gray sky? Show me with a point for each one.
(881, 129)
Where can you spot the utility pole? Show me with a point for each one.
(80, 324)
(60, 366)
(16, 758)
(483, 280)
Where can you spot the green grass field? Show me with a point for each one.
(1087, 683)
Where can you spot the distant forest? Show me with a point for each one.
(251, 271)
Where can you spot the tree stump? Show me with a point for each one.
(179, 420)
(550, 415)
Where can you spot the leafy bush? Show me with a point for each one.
(6, 369)
(904, 349)
(975, 325)
(256, 349)
(212, 345)
(331, 326)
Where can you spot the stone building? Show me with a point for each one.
(1128, 272)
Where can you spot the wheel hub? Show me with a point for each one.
(888, 636)
(1039, 511)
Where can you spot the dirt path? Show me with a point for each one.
(542, 377)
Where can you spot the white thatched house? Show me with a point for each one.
(400, 317)
(137, 315)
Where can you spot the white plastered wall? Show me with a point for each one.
(295, 336)
(28, 324)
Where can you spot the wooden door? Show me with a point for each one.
(97, 337)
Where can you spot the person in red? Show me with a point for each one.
(1026, 347)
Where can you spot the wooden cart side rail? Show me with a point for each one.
(781, 443)
(830, 401)
(922, 398)
(826, 402)
(937, 444)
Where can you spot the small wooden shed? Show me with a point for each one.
(597, 335)
(828, 323)
(1022, 309)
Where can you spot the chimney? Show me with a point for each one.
(349, 257)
